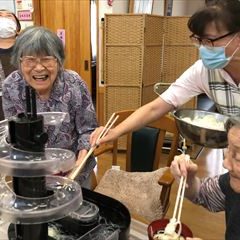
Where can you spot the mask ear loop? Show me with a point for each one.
(235, 49)
(237, 57)
(231, 40)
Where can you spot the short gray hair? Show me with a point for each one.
(37, 41)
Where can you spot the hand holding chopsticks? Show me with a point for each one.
(175, 220)
(74, 173)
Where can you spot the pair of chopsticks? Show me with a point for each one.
(174, 221)
(181, 189)
(74, 173)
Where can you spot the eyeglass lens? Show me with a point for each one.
(207, 41)
(32, 62)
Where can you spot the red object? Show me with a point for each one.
(160, 224)
(110, 2)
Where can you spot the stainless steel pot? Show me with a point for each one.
(204, 136)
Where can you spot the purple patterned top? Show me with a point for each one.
(69, 94)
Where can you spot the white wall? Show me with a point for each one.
(186, 7)
(7, 4)
(180, 7)
(120, 6)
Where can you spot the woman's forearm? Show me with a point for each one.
(144, 115)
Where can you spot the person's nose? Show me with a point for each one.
(39, 66)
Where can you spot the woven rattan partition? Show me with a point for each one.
(141, 50)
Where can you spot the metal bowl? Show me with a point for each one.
(205, 136)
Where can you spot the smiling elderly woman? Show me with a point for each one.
(39, 55)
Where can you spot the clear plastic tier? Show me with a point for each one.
(86, 212)
(66, 197)
(50, 119)
(27, 164)
(54, 118)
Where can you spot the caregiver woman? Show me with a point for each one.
(39, 55)
(216, 32)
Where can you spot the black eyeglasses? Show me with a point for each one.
(208, 42)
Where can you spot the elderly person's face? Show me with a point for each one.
(40, 72)
(232, 158)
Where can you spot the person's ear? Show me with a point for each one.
(18, 32)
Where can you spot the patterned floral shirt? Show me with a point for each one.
(70, 95)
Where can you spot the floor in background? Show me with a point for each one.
(138, 231)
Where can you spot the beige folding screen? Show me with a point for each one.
(141, 50)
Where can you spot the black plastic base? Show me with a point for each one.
(112, 211)
(12, 235)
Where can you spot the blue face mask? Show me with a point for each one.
(215, 57)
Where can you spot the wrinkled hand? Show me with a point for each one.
(180, 167)
(110, 136)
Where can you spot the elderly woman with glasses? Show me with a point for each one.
(216, 33)
(39, 55)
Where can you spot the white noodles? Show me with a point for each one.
(208, 121)
(162, 236)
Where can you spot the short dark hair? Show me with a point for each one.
(224, 13)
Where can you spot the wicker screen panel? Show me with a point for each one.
(119, 98)
(139, 51)
(176, 60)
(152, 65)
(148, 94)
(123, 65)
(154, 29)
(124, 29)
(176, 31)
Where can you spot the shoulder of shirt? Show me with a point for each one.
(199, 65)
(71, 73)
(74, 76)
(72, 79)
(14, 77)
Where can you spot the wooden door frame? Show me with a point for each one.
(36, 12)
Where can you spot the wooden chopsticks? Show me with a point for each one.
(174, 221)
(180, 195)
(74, 173)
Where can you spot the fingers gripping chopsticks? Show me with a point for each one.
(175, 220)
(103, 133)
